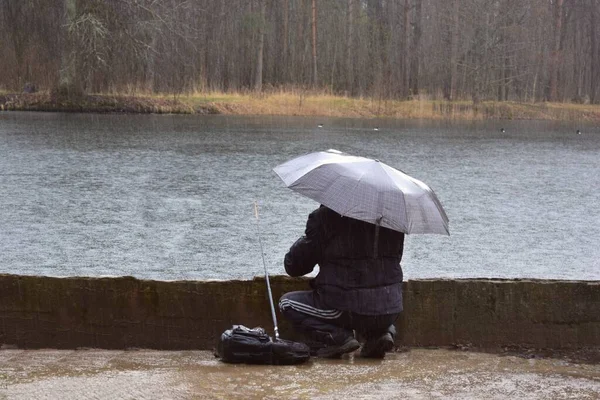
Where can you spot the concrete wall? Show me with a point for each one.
(125, 312)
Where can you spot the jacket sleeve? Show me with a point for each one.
(306, 251)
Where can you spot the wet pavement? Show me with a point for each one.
(413, 374)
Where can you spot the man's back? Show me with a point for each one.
(359, 263)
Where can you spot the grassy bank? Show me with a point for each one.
(300, 104)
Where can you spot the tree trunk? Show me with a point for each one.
(68, 76)
(561, 80)
(505, 78)
(350, 47)
(380, 42)
(554, 59)
(405, 51)
(454, 51)
(286, 23)
(151, 85)
(594, 71)
(502, 87)
(577, 67)
(258, 81)
(13, 13)
(314, 43)
(533, 90)
(415, 49)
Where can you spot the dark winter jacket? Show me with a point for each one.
(355, 273)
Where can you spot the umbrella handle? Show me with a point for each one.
(376, 243)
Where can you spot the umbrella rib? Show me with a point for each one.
(394, 183)
(353, 189)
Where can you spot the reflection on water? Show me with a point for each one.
(170, 197)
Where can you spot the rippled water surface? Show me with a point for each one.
(170, 197)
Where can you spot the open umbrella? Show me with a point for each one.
(367, 190)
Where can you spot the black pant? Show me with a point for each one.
(329, 326)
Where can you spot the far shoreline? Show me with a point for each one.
(299, 103)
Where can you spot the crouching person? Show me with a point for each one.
(358, 287)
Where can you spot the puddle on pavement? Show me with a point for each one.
(417, 373)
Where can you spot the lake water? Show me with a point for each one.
(170, 197)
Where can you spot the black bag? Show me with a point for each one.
(253, 346)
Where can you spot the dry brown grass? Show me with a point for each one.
(323, 104)
(299, 102)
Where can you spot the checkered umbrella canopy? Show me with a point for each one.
(367, 190)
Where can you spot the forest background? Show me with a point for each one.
(498, 58)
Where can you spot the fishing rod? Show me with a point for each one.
(262, 253)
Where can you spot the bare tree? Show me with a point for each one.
(68, 69)
(458, 49)
(454, 50)
(350, 17)
(314, 43)
(260, 48)
(594, 59)
(15, 15)
(555, 57)
(405, 49)
(415, 48)
(285, 36)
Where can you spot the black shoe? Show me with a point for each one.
(376, 348)
(336, 350)
(315, 347)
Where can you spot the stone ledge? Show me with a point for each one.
(125, 312)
